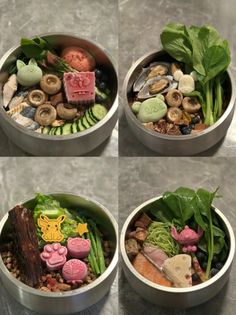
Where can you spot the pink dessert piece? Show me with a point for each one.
(54, 255)
(74, 271)
(78, 247)
(79, 87)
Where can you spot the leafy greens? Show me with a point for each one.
(185, 206)
(202, 50)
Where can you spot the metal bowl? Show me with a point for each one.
(74, 144)
(176, 145)
(175, 297)
(74, 300)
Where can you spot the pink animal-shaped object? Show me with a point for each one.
(74, 271)
(54, 255)
(78, 247)
(187, 237)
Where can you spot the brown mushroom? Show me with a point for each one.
(45, 114)
(158, 86)
(66, 111)
(191, 104)
(50, 84)
(37, 97)
(174, 98)
(174, 114)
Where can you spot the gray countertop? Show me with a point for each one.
(141, 179)
(141, 23)
(96, 20)
(21, 177)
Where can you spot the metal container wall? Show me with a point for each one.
(175, 297)
(69, 145)
(183, 145)
(69, 301)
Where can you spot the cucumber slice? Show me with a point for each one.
(100, 93)
(91, 116)
(74, 128)
(51, 132)
(66, 129)
(89, 119)
(99, 111)
(58, 131)
(85, 122)
(46, 130)
(80, 126)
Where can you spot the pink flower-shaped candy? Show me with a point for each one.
(74, 271)
(54, 255)
(78, 247)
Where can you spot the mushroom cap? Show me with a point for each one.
(37, 97)
(66, 111)
(50, 84)
(191, 104)
(45, 114)
(174, 98)
(174, 114)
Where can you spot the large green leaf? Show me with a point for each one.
(175, 41)
(179, 202)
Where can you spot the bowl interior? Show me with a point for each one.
(146, 208)
(134, 73)
(60, 41)
(95, 210)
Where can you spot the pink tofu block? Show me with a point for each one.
(74, 271)
(78, 247)
(79, 87)
(54, 255)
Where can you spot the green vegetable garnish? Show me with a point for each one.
(159, 235)
(202, 50)
(188, 207)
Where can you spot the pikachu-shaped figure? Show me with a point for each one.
(51, 228)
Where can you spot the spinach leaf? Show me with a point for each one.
(34, 48)
(176, 42)
(179, 202)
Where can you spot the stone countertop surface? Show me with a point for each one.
(140, 25)
(96, 20)
(21, 177)
(141, 179)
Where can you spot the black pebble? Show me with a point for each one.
(195, 277)
(102, 86)
(186, 130)
(213, 272)
(215, 259)
(195, 120)
(219, 265)
(201, 256)
(98, 73)
(98, 99)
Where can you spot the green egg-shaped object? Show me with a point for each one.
(152, 110)
(136, 107)
(29, 75)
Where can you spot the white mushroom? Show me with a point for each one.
(186, 84)
(177, 75)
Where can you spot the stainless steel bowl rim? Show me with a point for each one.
(176, 290)
(65, 294)
(32, 133)
(169, 137)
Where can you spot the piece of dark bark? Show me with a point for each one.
(27, 248)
